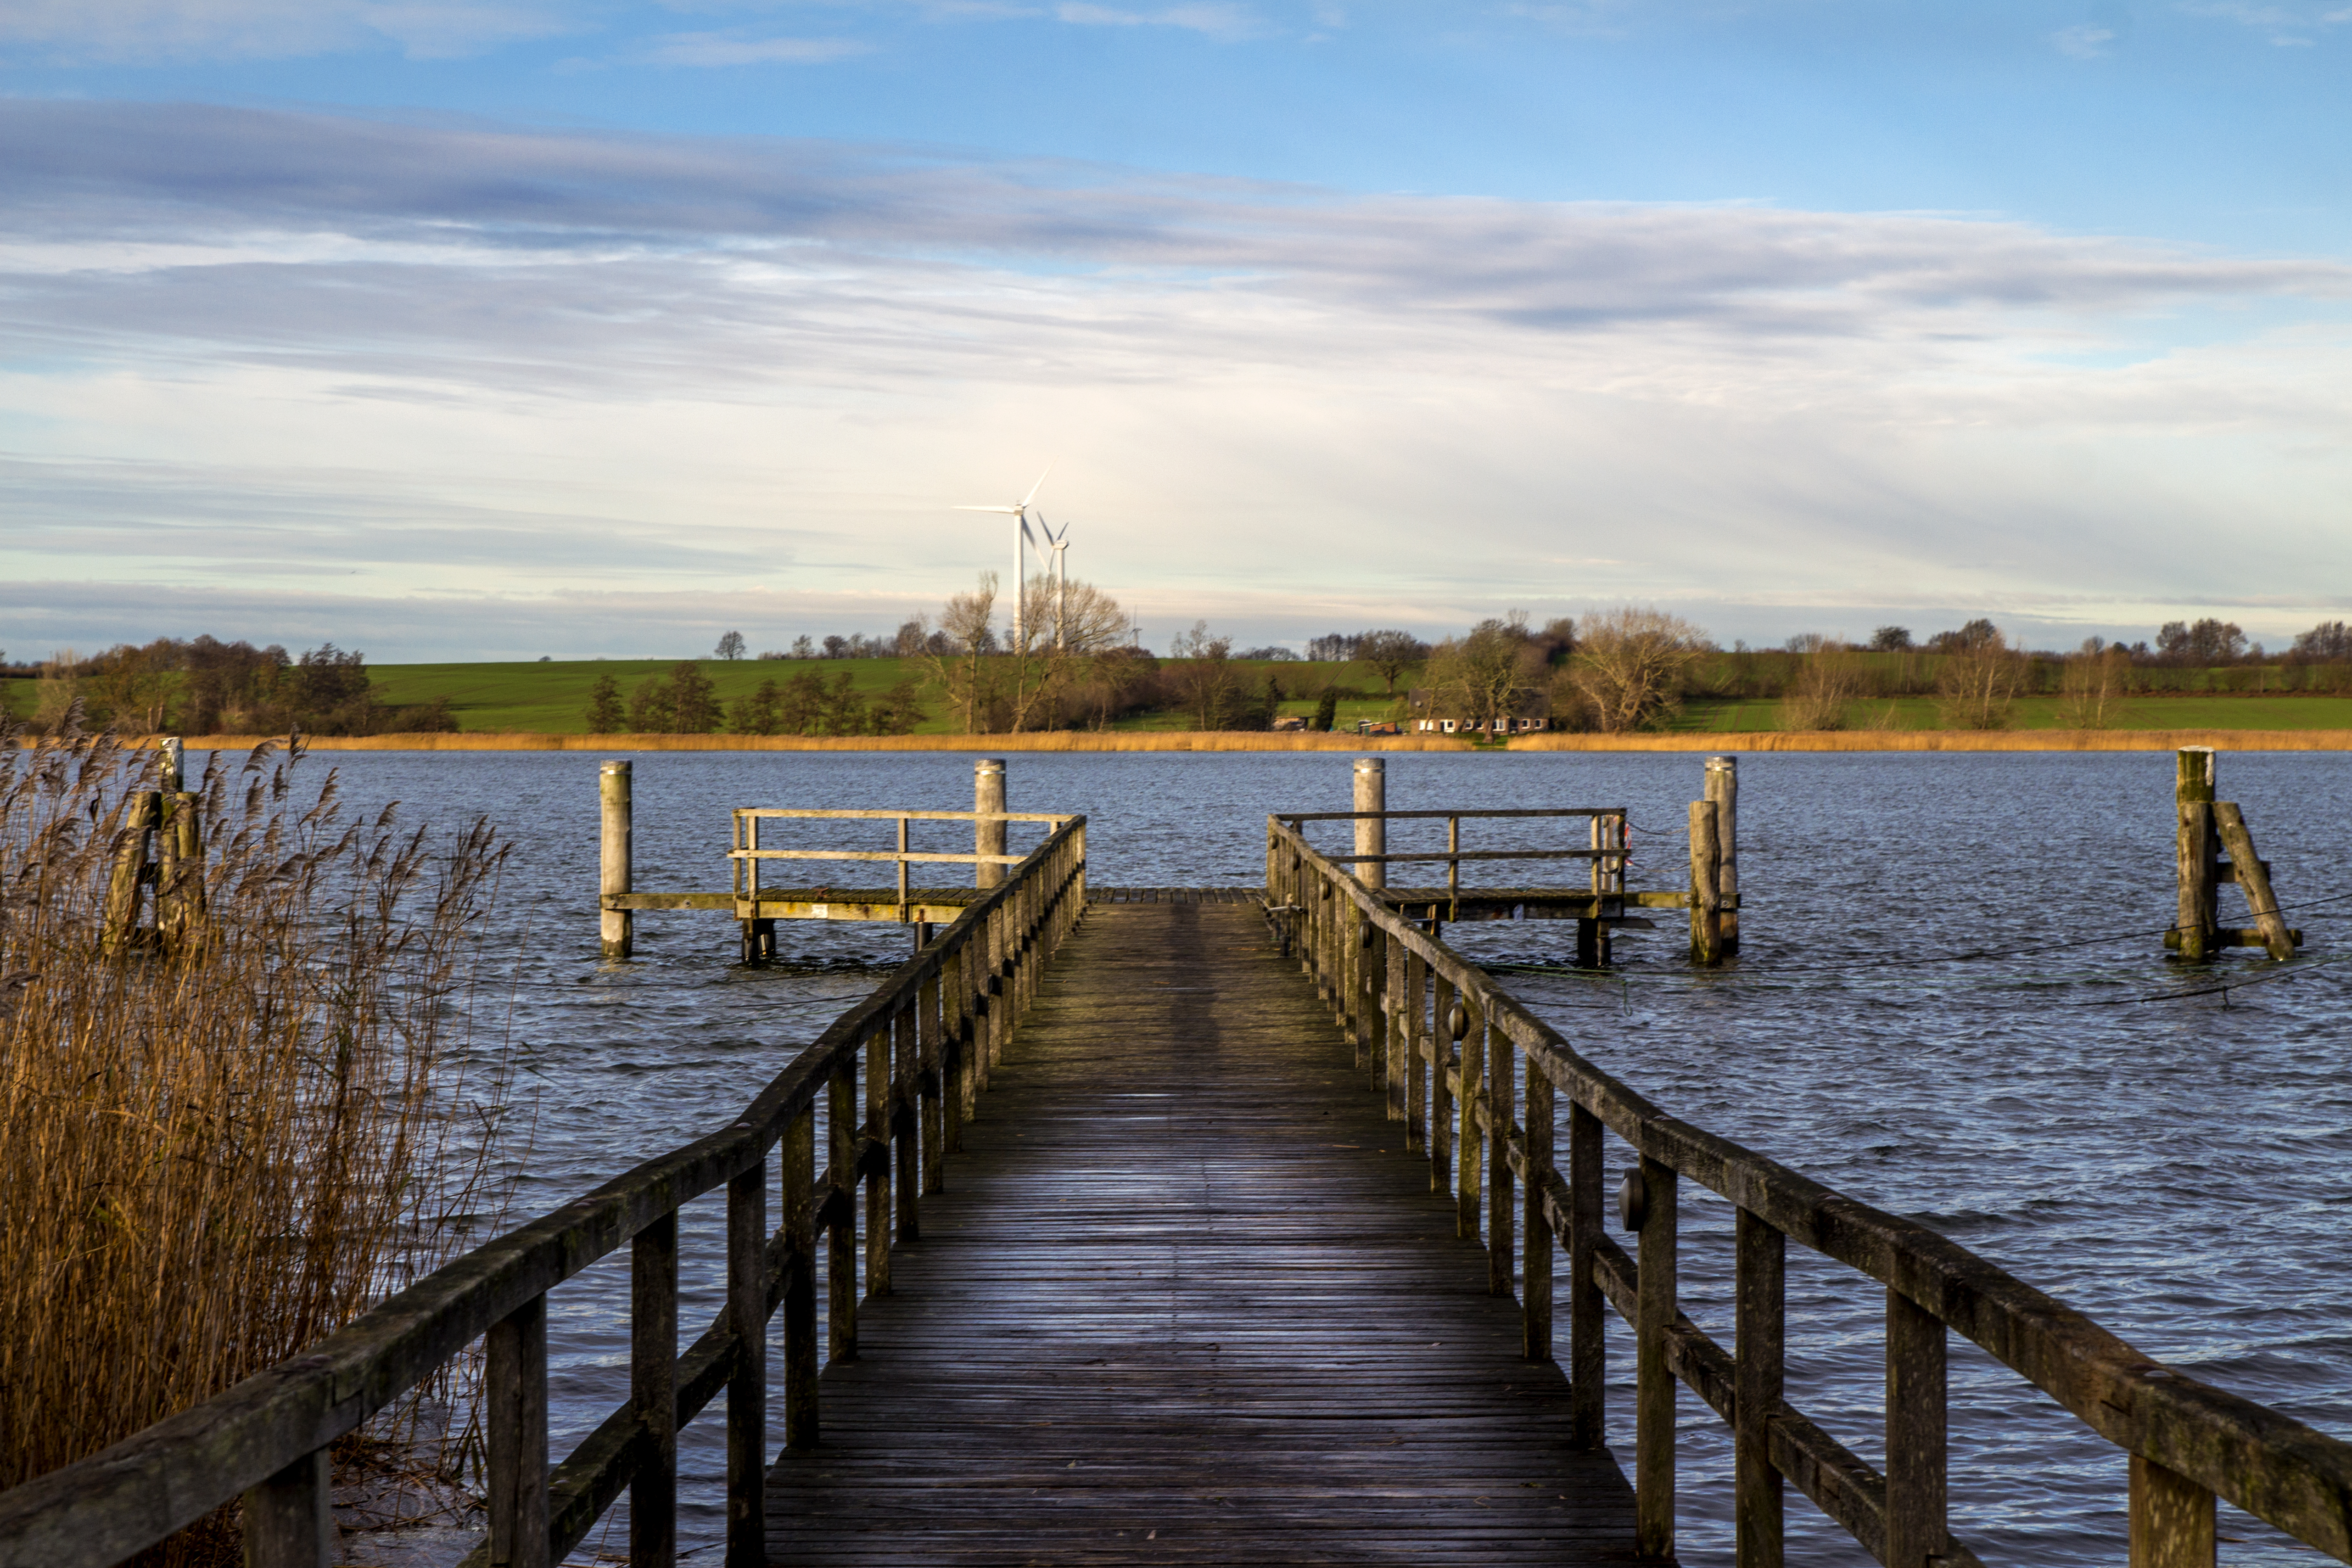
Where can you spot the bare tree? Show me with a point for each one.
(1491, 673)
(2091, 691)
(1391, 653)
(1818, 699)
(1206, 677)
(729, 647)
(1631, 662)
(1977, 685)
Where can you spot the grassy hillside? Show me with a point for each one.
(552, 697)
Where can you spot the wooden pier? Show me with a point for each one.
(1204, 1226)
(1185, 1299)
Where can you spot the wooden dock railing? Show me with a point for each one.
(919, 1047)
(1409, 1000)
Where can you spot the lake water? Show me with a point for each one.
(2177, 1166)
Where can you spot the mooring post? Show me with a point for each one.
(170, 764)
(618, 926)
(119, 926)
(1371, 833)
(2192, 798)
(1706, 902)
(1723, 788)
(988, 838)
(2253, 878)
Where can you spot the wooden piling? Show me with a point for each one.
(2195, 854)
(2252, 878)
(1723, 788)
(614, 856)
(182, 904)
(125, 888)
(1371, 833)
(988, 838)
(1707, 898)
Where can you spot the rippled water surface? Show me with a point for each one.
(2174, 1159)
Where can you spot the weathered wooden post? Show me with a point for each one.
(1706, 900)
(1652, 1210)
(1760, 1317)
(119, 925)
(2172, 1521)
(1915, 1436)
(988, 838)
(1371, 833)
(614, 853)
(2193, 802)
(1723, 788)
(170, 764)
(2253, 878)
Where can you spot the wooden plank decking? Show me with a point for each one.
(1186, 1299)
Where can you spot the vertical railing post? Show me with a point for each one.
(955, 1053)
(1588, 1366)
(1653, 1380)
(1440, 1084)
(841, 1238)
(1396, 1070)
(1469, 1169)
(797, 1151)
(904, 1124)
(615, 856)
(515, 1392)
(1536, 1253)
(1417, 1051)
(2173, 1524)
(1371, 833)
(1000, 987)
(1502, 1072)
(287, 1521)
(874, 1153)
(1914, 1434)
(653, 1392)
(1759, 1312)
(747, 1384)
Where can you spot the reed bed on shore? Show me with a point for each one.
(240, 1129)
(1947, 741)
(1041, 741)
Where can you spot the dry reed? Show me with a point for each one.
(216, 1149)
(1947, 741)
(1036, 740)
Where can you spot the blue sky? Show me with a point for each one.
(453, 329)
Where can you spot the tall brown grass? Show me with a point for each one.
(210, 1157)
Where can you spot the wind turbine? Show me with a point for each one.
(1061, 544)
(1022, 537)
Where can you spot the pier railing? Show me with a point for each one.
(1468, 1069)
(919, 1049)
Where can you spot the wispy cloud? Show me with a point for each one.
(2085, 42)
(260, 349)
(1216, 21)
(148, 31)
(739, 49)
(2285, 26)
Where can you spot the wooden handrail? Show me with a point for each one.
(264, 1438)
(2187, 1440)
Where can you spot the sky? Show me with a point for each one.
(493, 330)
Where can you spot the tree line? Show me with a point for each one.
(686, 702)
(202, 686)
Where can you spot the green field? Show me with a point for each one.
(552, 697)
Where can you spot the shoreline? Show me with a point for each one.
(1261, 740)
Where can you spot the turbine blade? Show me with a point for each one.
(1007, 509)
(1039, 485)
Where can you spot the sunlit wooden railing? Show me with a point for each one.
(920, 1050)
(1479, 1080)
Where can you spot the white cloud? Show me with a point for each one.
(1216, 21)
(2083, 41)
(732, 50)
(404, 364)
(145, 31)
